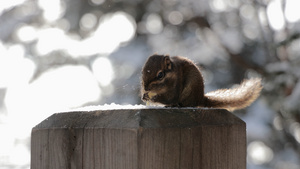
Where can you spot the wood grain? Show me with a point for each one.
(166, 138)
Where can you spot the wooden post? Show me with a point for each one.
(166, 138)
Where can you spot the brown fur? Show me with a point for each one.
(181, 85)
(235, 98)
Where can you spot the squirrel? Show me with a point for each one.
(177, 82)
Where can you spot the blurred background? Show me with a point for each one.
(62, 54)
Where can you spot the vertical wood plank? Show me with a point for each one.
(59, 149)
(186, 149)
(237, 146)
(112, 148)
(39, 149)
(214, 146)
(160, 149)
(130, 152)
(197, 148)
(172, 148)
(151, 142)
(88, 157)
(77, 149)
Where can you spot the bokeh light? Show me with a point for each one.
(52, 10)
(26, 33)
(55, 90)
(48, 42)
(88, 21)
(275, 15)
(259, 153)
(218, 5)
(291, 10)
(175, 18)
(103, 71)
(118, 25)
(6, 5)
(9, 75)
(154, 23)
(97, 2)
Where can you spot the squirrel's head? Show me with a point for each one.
(156, 78)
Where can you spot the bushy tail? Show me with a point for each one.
(235, 98)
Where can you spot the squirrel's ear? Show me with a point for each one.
(168, 63)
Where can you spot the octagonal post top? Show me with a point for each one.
(143, 138)
(136, 118)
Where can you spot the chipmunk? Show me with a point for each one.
(177, 82)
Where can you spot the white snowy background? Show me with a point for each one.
(60, 54)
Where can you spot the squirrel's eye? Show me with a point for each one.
(160, 75)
